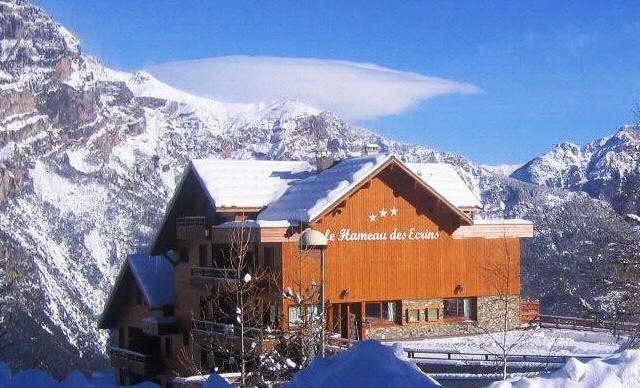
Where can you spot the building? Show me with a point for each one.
(406, 257)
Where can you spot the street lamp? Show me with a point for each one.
(313, 239)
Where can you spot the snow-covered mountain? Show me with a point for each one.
(607, 169)
(89, 158)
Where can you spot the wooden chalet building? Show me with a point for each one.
(406, 257)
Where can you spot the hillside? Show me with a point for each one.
(89, 157)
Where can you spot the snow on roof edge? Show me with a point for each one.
(502, 221)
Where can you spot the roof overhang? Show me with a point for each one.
(495, 229)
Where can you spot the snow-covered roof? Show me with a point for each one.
(502, 221)
(248, 183)
(248, 224)
(444, 179)
(154, 275)
(292, 191)
(308, 198)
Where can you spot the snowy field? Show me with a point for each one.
(542, 341)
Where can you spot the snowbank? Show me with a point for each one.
(36, 378)
(618, 370)
(207, 381)
(368, 364)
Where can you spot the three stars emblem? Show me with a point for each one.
(382, 213)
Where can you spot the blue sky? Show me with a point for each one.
(543, 73)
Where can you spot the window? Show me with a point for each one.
(185, 338)
(460, 308)
(204, 359)
(122, 337)
(202, 255)
(273, 315)
(220, 255)
(413, 315)
(270, 256)
(184, 254)
(298, 314)
(295, 315)
(433, 314)
(381, 312)
(168, 349)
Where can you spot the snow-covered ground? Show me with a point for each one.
(616, 371)
(542, 341)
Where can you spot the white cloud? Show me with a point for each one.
(355, 90)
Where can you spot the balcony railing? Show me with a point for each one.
(191, 228)
(135, 361)
(213, 272)
(161, 325)
(212, 327)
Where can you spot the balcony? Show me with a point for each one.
(228, 335)
(142, 364)
(208, 276)
(204, 326)
(161, 326)
(191, 229)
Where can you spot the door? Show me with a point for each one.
(350, 320)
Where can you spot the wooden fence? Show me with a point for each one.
(586, 324)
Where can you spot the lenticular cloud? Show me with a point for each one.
(355, 90)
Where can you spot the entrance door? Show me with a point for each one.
(349, 320)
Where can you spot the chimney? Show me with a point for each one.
(324, 162)
(371, 149)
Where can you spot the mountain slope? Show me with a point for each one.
(89, 157)
(607, 169)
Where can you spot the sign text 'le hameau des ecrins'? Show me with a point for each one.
(346, 234)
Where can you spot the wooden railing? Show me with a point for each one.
(212, 327)
(224, 328)
(419, 354)
(142, 364)
(212, 272)
(191, 228)
(529, 310)
(588, 324)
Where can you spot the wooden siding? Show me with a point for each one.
(401, 269)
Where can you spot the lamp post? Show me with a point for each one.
(313, 239)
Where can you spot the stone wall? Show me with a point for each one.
(491, 312)
(490, 317)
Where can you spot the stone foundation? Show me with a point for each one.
(490, 318)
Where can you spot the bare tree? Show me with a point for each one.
(233, 317)
(302, 341)
(238, 325)
(618, 276)
(499, 273)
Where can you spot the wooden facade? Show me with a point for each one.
(395, 248)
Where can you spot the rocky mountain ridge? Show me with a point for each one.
(89, 157)
(607, 169)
